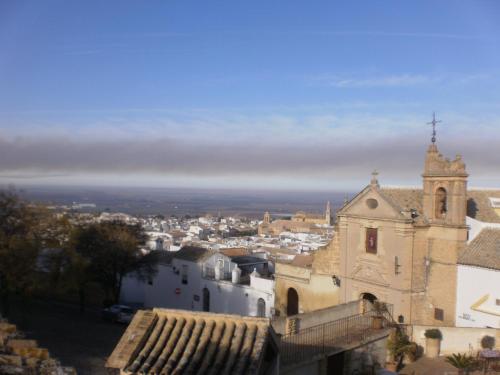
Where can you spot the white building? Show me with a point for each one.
(478, 281)
(196, 278)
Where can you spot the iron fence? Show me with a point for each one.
(328, 338)
(209, 273)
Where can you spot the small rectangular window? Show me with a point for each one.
(184, 274)
(439, 314)
(397, 266)
(371, 240)
(498, 302)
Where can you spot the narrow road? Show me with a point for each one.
(82, 341)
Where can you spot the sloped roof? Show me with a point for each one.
(405, 198)
(302, 260)
(483, 251)
(187, 342)
(193, 253)
(235, 251)
(160, 257)
(479, 205)
(478, 202)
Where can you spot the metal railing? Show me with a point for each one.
(209, 273)
(328, 338)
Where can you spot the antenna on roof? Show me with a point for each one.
(433, 123)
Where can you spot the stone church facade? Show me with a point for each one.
(301, 221)
(398, 245)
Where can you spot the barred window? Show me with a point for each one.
(439, 314)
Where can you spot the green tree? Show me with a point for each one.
(107, 252)
(20, 240)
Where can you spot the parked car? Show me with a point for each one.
(118, 313)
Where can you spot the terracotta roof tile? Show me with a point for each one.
(186, 342)
(193, 253)
(304, 260)
(479, 205)
(235, 252)
(478, 202)
(483, 251)
(405, 198)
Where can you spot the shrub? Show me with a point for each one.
(399, 345)
(433, 333)
(488, 342)
(462, 361)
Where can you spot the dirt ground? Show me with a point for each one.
(83, 341)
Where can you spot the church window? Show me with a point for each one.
(371, 240)
(440, 204)
(397, 266)
(439, 314)
(372, 203)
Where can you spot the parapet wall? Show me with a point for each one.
(318, 317)
(456, 339)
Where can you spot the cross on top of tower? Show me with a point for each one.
(433, 123)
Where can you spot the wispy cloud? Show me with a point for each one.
(397, 34)
(387, 81)
(395, 80)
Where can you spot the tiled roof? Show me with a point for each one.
(193, 253)
(161, 257)
(187, 342)
(479, 205)
(478, 202)
(405, 198)
(305, 260)
(248, 259)
(484, 250)
(235, 251)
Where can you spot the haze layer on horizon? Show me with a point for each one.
(287, 96)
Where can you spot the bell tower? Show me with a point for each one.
(445, 186)
(267, 218)
(328, 214)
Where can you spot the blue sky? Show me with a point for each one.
(272, 94)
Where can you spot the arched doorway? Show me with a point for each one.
(261, 308)
(368, 297)
(368, 300)
(206, 299)
(292, 306)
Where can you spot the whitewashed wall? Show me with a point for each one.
(456, 339)
(472, 284)
(167, 290)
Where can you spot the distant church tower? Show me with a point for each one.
(267, 218)
(328, 214)
(445, 187)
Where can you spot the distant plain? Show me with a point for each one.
(181, 202)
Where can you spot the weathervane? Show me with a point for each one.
(433, 123)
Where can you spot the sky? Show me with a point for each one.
(296, 95)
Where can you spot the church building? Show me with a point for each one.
(300, 222)
(398, 245)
